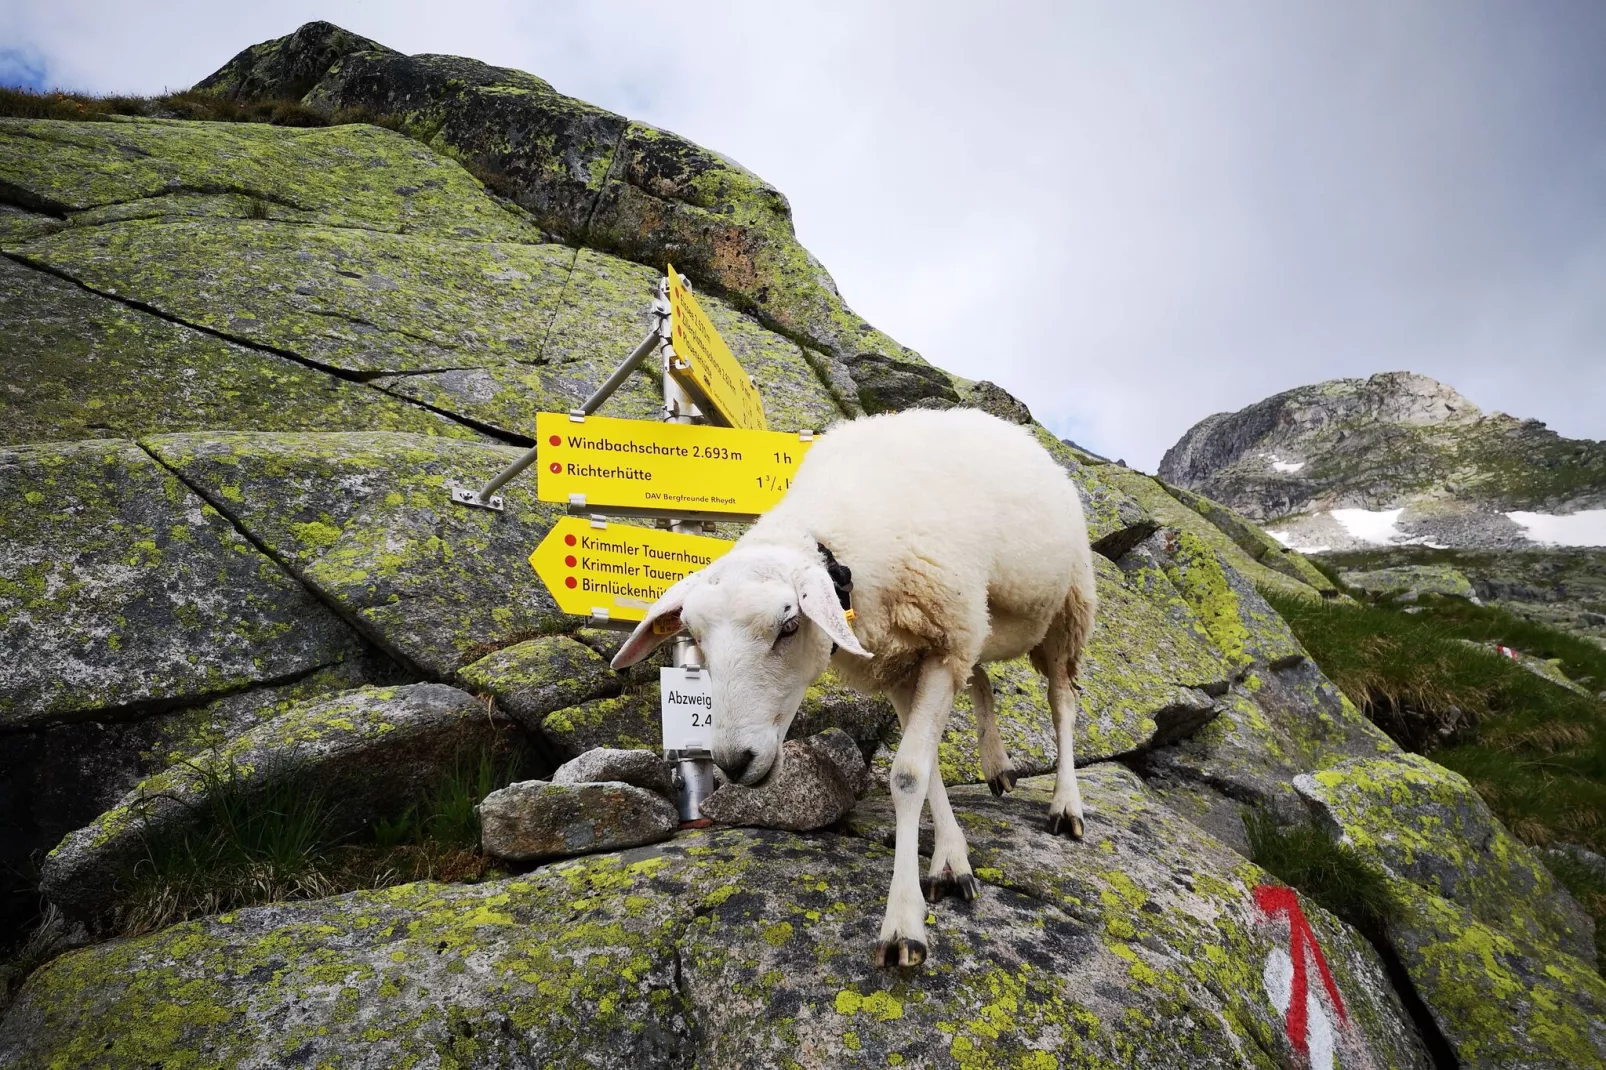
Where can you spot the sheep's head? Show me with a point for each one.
(765, 618)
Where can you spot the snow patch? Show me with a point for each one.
(1285, 466)
(1287, 540)
(1373, 526)
(1587, 527)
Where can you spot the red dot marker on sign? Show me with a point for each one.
(568, 540)
(571, 582)
(569, 560)
(555, 440)
(554, 467)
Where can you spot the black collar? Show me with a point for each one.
(841, 576)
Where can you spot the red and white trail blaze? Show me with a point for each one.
(1288, 984)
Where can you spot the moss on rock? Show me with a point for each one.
(367, 520)
(120, 591)
(358, 300)
(86, 366)
(534, 678)
(344, 176)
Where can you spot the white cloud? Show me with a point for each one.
(1131, 216)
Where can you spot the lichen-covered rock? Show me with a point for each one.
(630, 720)
(343, 297)
(356, 176)
(1115, 520)
(643, 768)
(1408, 583)
(534, 820)
(816, 785)
(286, 67)
(1166, 509)
(1237, 619)
(121, 592)
(887, 384)
(992, 398)
(375, 750)
(1499, 953)
(367, 520)
(531, 679)
(85, 366)
(724, 947)
(1177, 906)
(1254, 541)
(1425, 824)
(1273, 726)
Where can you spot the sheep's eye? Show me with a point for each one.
(788, 626)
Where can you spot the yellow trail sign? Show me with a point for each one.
(593, 567)
(706, 367)
(674, 469)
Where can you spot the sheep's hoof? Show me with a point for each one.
(1003, 782)
(1066, 825)
(966, 887)
(900, 953)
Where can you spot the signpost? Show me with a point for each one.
(615, 572)
(679, 471)
(703, 364)
(684, 470)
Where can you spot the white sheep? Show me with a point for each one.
(966, 544)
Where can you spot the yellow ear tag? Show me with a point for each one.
(665, 626)
(850, 615)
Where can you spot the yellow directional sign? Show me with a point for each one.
(706, 367)
(674, 469)
(595, 568)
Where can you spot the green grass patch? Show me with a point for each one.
(1333, 874)
(1588, 885)
(250, 844)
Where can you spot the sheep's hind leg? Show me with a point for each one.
(903, 929)
(995, 765)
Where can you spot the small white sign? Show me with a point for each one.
(686, 698)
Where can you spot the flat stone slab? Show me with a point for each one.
(121, 592)
(533, 820)
(643, 768)
(375, 751)
(367, 520)
(818, 782)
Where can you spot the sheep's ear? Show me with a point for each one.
(817, 598)
(662, 623)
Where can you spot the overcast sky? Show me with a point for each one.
(1131, 215)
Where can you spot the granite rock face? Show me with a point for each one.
(642, 768)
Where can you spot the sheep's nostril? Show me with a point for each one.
(737, 767)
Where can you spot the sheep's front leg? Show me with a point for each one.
(903, 929)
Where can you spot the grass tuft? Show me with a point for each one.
(251, 845)
(1333, 874)
(187, 104)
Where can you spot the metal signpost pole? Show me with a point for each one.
(694, 770)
